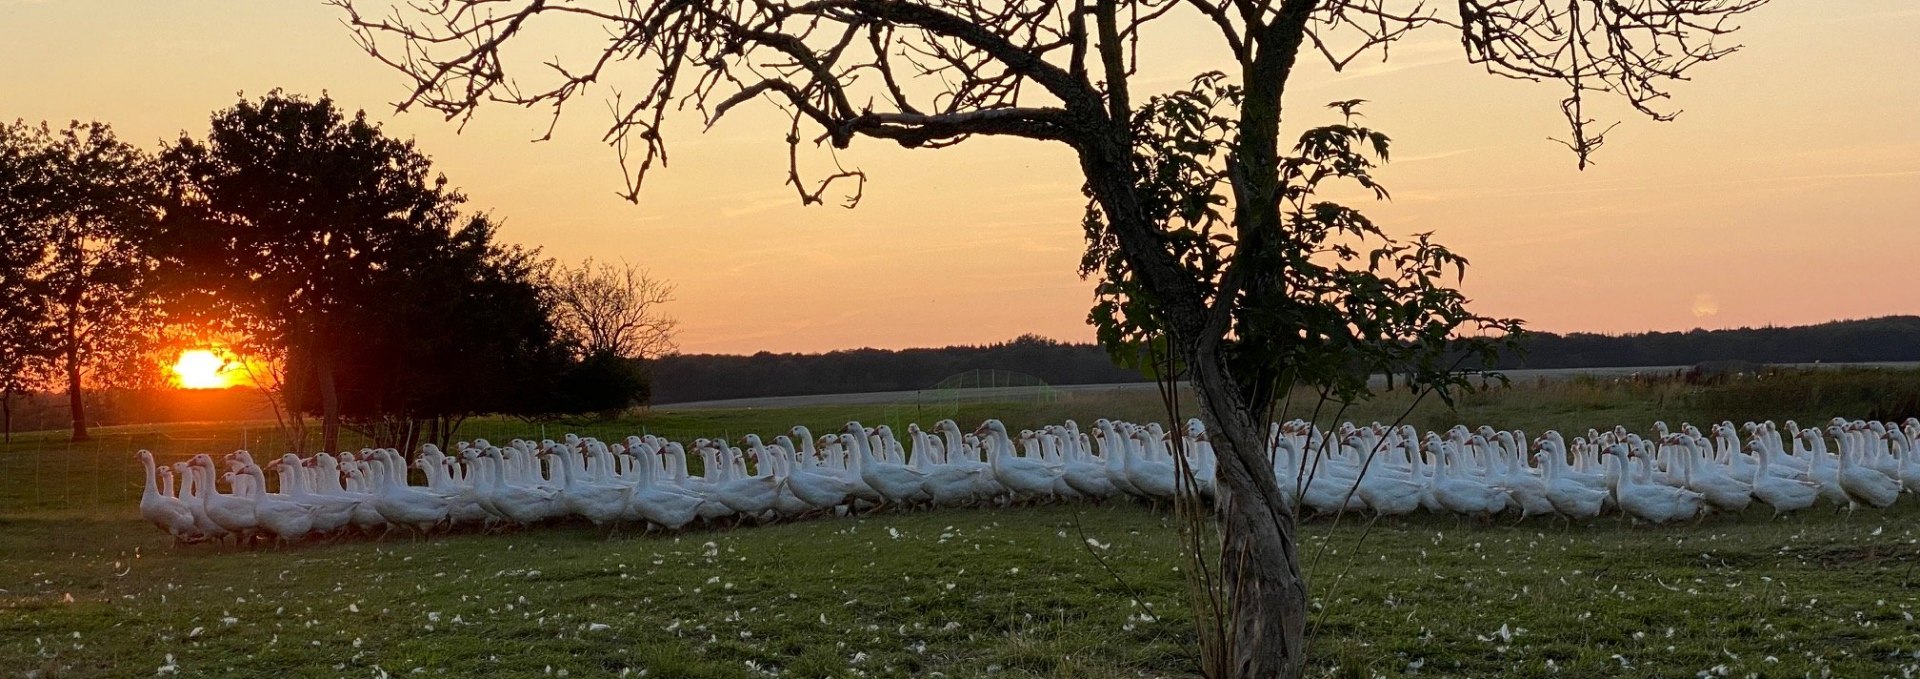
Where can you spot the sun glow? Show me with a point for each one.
(202, 369)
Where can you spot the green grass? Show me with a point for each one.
(87, 589)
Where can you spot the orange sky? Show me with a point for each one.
(1788, 192)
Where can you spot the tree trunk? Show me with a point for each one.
(6, 414)
(1258, 560)
(329, 404)
(76, 400)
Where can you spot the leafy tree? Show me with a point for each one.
(79, 206)
(1207, 233)
(283, 213)
(25, 334)
(603, 383)
(463, 329)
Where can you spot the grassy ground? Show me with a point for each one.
(86, 589)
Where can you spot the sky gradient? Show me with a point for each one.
(1788, 192)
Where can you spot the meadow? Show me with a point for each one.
(87, 589)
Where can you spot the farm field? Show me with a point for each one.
(87, 589)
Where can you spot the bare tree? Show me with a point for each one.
(1213, 247)
(612, 309)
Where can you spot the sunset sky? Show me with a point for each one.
(1788, 192)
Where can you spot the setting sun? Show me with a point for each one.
(201, 369)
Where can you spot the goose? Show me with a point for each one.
(666, 505)
(1785, 495)
(1114, 449)
(1024, 477)
(328, 513)
(1863, 485)
(283, 518)
(1086, 474)
(748, 494)
(164, 510)
(1571, 498)
(1527, 489)
(1387, 489)
(945, 483)
(463, 500)
(1822, 470)
(1649, 501)
(234, 514)
(1909, 467)
(364, 516)
(523, 504)
(598, 503)
(1459, 494)
(1722, 490)
(896, 483)
(814, 485)
(845, 468)
(1148, 468)
(403, 505)
(193, 490)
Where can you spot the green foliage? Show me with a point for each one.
(1328, 300)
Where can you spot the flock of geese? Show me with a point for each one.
(1666, 477)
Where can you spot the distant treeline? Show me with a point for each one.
(700, 377)
(1890, 338)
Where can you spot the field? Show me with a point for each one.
(87, 589)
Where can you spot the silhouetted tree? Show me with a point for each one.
(1202, 223)
(284, 215)
(612, 309)
(25, 334)
(463, 329)
(81, 204)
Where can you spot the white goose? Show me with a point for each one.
(896, 483)
(403, 505)
(1785, 495)
(810, 482)
(164, 510)
(1639, 496)
(1863, 485)
(231, 512)
(283, 518)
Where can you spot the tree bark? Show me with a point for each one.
(1258, 560)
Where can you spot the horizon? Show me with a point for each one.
(1682, 224)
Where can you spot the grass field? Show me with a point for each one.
(87, 589)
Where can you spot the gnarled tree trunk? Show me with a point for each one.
(1258, 561)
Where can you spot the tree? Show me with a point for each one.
(83, 203)
(612, 309)
(281, 216)
(1208, 247)
(25, 334)
(463, 329)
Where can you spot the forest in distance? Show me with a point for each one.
(683, 378)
